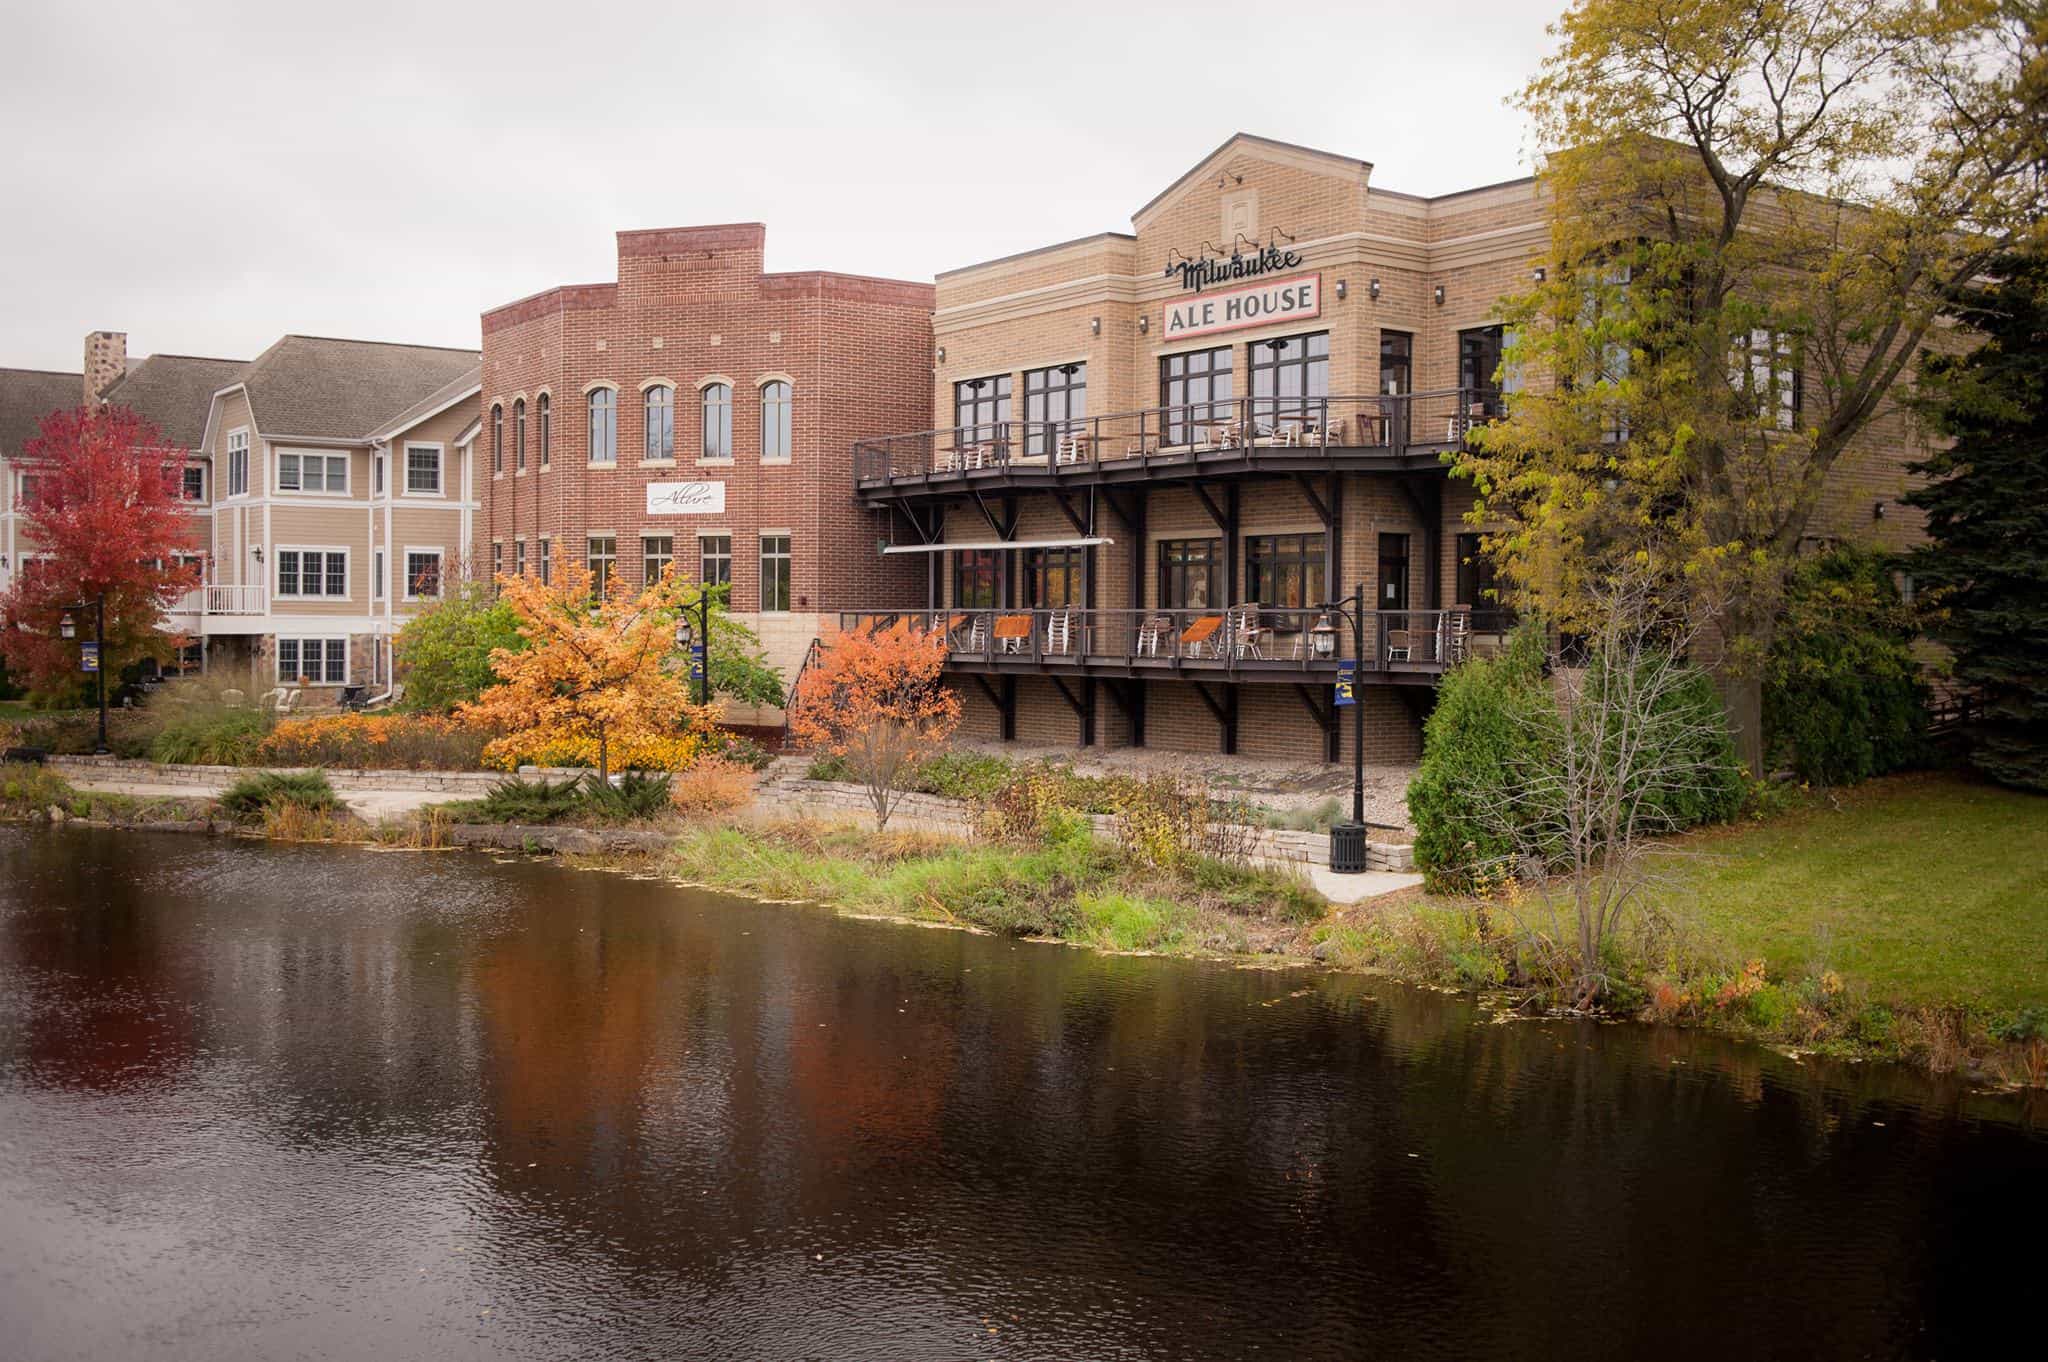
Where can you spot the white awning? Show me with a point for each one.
(1002, 544)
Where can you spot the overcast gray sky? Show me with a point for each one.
(208, 176)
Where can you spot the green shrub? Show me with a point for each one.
(1843, 698)
(444, 652)
(632, 797)
(513, 800)
(1720, 782)
(1476, 739)
(211, 735)
(963, 775)
(25, 788)
(253, 797)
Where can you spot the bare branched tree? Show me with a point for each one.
(1634, 734)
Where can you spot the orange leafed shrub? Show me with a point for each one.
(541, 747)
(874, 697)
(387, 742)
(712, 784)
(597, 669)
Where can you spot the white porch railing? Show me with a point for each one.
(223, 600)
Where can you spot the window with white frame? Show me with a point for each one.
(305, 470)
(604, 426)
(377, 474)
(774, 572)
(717, 421)
(192, 482)
(312, 574)
(423, 470)
(714, 559)
(519, 558)
(1765, 370)
(377, 574)
(542, 409)
(316, 661)
(660, 445)
(29, 491)
(422, 573)
(776, 423)
(238, 463)
(657, 552)
(602, 559)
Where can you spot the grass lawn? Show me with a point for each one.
(1924, 889)
(13, 711)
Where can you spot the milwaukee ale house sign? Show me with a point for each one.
(1284, 300)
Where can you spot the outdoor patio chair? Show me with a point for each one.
(1201, 635)
(1247, 638)
(1150, 633)
(1399, 645)
(1013, 633)
(1059, 632)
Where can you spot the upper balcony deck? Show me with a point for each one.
(1233, 437)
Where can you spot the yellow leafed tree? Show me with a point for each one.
(597, 666)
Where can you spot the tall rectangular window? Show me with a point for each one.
(1055, 403)
(519, 558)
(544, 410)
(1053, 577)
(422, 573)
(1393, 572)
(714, 559)
(497, 438)
(1479, 355)
(497, 559)
(423, 470)
(377, 573)
(192, 482)
(238, 463)
(1397, 363)
(717, 419)
(657, 551)
(1290, 377)
(602, 560)
(544, 560)
(659, 404)
(1190, 573)
(1194, 387)
(519, 435)
(774, 572)
(974, 579)
(1478, 586)
(1284, 570)
(981, 406)
(776, 422)
(1766, 372)
(604, 426)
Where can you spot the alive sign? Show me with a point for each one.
(685, 498)
(1283, 300)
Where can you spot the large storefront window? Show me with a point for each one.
(980, 407)
(1055, 402)
(974, 579)
(1284, 570)
(1190, 573)
(1194, 387)
(1290, 376)
(1054, 576)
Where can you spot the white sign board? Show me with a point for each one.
(686, 498)
(1283, 300)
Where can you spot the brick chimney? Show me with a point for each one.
(106, 360)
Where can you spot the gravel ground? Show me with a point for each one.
(1281, 786)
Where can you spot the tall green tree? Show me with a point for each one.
(1757, 207)
(1985, 570)
(445, 650)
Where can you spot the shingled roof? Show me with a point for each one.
(26, 397)
(449, 393)
(314, 387)
(174, 392)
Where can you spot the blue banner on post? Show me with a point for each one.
(88, 657)
(696, 662)
(1347, 681)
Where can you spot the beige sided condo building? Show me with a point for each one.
(344, 494)
(1155, 454)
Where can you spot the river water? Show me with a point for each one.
(261, 1101)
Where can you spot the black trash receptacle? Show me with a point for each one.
(1347, 848)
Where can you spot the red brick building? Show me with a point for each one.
(702, 410)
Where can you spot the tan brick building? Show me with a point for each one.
(1153, 454)
(700, 410)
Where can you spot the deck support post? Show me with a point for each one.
(1224, 709)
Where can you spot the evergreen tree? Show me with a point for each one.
(1985, 571)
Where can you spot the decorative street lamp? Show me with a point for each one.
(697, 649)
(1347, 840)
(67, 628)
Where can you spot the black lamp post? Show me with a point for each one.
(1347, 840)
(698, 649)
(68, 628)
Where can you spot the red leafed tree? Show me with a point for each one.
(873, 697)
(100, 516)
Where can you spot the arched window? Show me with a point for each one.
(661, 423)
(717, 421)
(604, 426)
(519, 434)
(497, 437)
(775, 422)
(541, 405)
